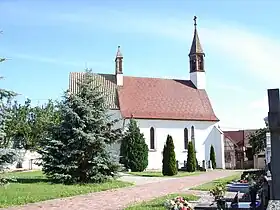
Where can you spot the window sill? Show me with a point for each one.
(152, 150)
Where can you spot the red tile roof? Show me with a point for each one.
(239, 137)
(155, 98)
(152, 98)
(236, 136)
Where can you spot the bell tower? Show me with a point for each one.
(119, 67)
(196, 57)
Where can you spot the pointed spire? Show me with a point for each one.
(196, 47)
(119, 61)
(119, 54)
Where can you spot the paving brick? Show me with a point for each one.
(118, 199)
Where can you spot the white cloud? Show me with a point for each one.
(260, 104)
(57, 61)
(253, 52)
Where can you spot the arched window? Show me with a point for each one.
(193, 67)
(186, 138)
(152, 138)
(192, 136)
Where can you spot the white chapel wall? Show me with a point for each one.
(205, 135)
(176, 130)
(216, 138)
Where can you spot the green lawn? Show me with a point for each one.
(158, 203)
(33, 186)
(208, 186)
(159, 174)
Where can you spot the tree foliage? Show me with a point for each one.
(213, 157)
(134, 150)
(169, 166)
(7, 155)
(77, 150)
(29, 125)
(257, 140)
(191, 160)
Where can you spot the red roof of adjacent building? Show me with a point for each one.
(239, 137)
(155, 98)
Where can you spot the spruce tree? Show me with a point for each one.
(191, 161)
(213, 157)
(8, 155)
(169, 167)
(134, 150)
(77, 150)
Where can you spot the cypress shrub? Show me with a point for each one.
(169, 167)
(213, 157)
(191, 161)
(134, 151)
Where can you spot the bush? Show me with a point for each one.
(169, 167)
(7, 157)
(134, 151)
(191, 161)
(213, 157)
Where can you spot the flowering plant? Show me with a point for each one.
(243, 181)
(218, 191)
(178, 203)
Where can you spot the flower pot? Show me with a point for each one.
(253, 197)
(221, 203)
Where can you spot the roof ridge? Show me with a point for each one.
(141, 77)
(158, 78)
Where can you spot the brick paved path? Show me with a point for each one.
(119, 198)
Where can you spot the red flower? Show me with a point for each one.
(186, 208)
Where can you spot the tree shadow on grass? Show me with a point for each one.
(32, 180)
(147, 175)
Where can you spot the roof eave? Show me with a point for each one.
(165, 118)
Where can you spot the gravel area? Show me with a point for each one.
(140, 180)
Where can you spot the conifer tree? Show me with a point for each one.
(134, 150)
(213, 157)
(77, 150)
(191, 161)
(7, 154)
(169, 167)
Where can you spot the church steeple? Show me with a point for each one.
(196, 57)
(196, 54)
(118, 60)
(119, 67)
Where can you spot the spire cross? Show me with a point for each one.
(194, 19)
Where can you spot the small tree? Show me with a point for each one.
(77, 150)
(134, 150)
(29, 125)
(213, 157)
(191, 161)
(169, 167)
(257, 140)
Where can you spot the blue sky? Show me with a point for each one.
(45, 40)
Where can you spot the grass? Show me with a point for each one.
(159, 174)
(158, 203)
(33, 187)
(208, 186)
